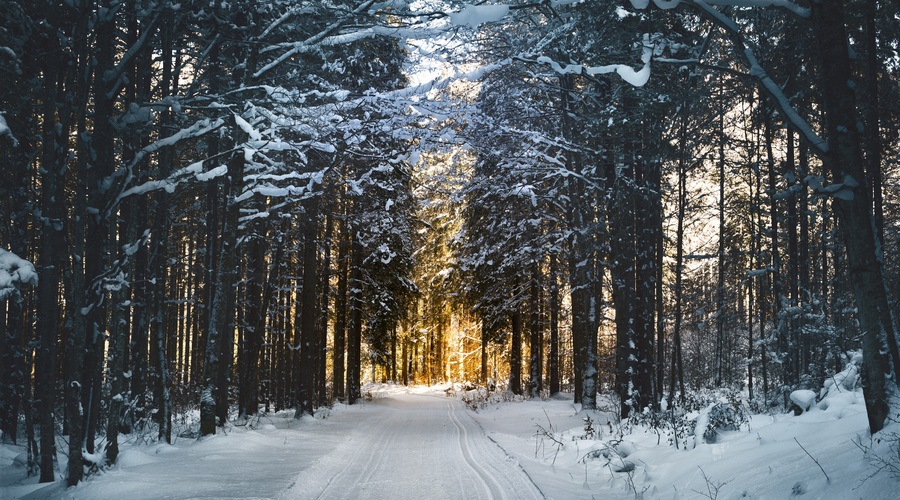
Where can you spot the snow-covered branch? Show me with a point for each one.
(637, 78)
(759, 73)
(314, 40)
(14, 272)
(198, 129)
(788, 5)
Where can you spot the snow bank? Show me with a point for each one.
(768, 456)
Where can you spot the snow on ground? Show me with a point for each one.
(762, 460)
(240, 463)
(418, 443)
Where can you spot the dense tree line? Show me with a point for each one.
(705, 214)
(204, 189)
(236, 207)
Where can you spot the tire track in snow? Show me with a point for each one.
(351, 473)
(490, 482)
(412, 447)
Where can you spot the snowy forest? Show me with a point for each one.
(212, 211)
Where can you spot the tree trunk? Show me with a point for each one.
(845, 162)
(720, 260)
(536, 352)
(624, 293)
(793, 272)
(646, 237)
(676, 367)
(581, 286)
(873, 153)
(309, 311)
(341, 313)
(778, 323)
(515, 353)
(322, 342)
(354, 327)
(259, 295)
(219, 338)
(553, 360)
(484, 355)
(79, 296)
(805, 290)
(118, 338)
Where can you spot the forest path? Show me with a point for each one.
(396, 446)
(412, 446)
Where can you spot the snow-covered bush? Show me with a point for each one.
(702, 416)
(675, 424)
(478, 396)
(727, 415)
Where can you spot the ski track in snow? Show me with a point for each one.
(414, 446)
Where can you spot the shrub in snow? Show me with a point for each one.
(722, 416)
(700, 418)
(676, 424)
(614, 452)
(588, 427)
(478, 396)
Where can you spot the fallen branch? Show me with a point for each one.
(827, 479)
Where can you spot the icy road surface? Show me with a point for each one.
(414, 446)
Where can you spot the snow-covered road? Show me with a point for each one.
(416, 443)
(395, 446)
(414, 446)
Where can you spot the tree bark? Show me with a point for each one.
(536, 352)
(220, 336)
(322, 341)
(845, 162)
(676, 366)
(354, 327)
(515, 353)
(553, 360)
(309, 311)
(341, 314)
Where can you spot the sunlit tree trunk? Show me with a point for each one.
(536, 354)
(484, 352)
(341, 312)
